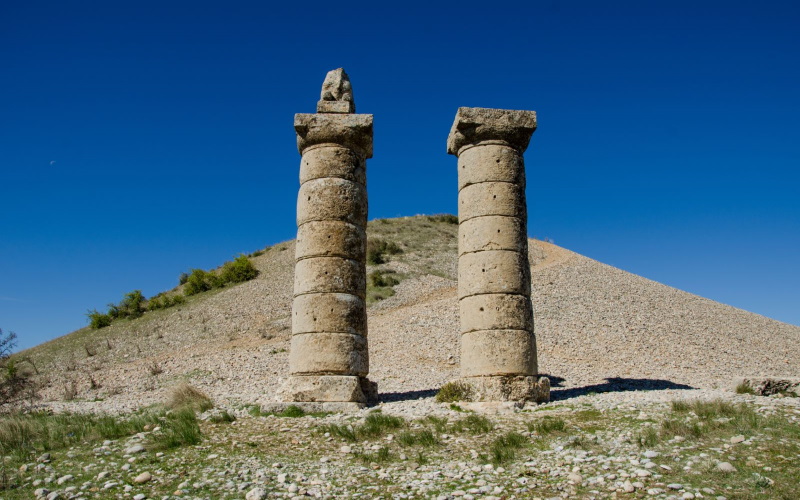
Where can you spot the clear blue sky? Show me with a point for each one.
(141, 139)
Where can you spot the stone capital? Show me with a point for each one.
(348, 130)
(474, 126)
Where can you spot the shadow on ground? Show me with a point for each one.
(613, 384)
(557, 392)
(390, 397)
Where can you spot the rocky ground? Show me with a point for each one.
(612, 445)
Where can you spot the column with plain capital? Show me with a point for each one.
(498, 345)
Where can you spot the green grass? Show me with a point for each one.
(548, 425)
(423, 437)
(473, 424)
(380, 285)
(223, 418)
(26, 435)
(375, 425)
(381, 456)
(346, 432)
(439, 423)
(180, 428)
(504, 448)
(698, 420)
(744, 388)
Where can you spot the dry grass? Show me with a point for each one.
(186, 396)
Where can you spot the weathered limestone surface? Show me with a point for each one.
(329, 359)
(330, 238)
(498, 346)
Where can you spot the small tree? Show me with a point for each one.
(14, 382)
(132, 305)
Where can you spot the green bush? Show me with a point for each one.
(239, 270)
(132, 305)
(199, 281)
(383, 279)
(98, 319)
(155, 303)
(378, 249)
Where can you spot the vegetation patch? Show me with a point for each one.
(239, 270)
(445, 218)
(504, 448)
(375, 425)
(547, 425)
(422, 437)
(133, 305)
(378, 250)
(380, 285)
(473, 424)
(185, 396)
(454, 391)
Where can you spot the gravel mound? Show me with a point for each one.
(598, 329)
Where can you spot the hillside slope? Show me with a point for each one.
(593, 323)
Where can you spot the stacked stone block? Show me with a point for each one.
(329, 360)
(498, 346)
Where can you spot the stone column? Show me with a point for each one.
(498, 346)
(328, 360)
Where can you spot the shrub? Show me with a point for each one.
(383, 279)
(239, 270)
(155, 303)
(98, 319)
(446, 218)
(186, 396)
(14, 383)
(377, 249)
(183, 278)
(744, 388)
(454, 391)
(132, 305)
(199, 281)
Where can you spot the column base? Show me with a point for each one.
(328, 388)
(509, 388)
